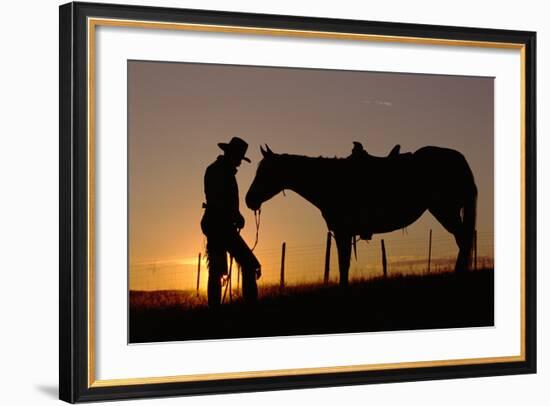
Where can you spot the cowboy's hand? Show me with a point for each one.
(258, 273)
(239, 222)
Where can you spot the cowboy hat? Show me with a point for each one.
(237, 147)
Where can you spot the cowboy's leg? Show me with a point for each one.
(217, 267)
(250, 266)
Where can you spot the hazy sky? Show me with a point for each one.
(178, 112)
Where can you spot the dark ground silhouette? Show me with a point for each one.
(443, 300)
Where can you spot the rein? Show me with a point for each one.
(257, 219)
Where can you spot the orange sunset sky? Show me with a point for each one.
(178, 112)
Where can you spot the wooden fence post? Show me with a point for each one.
(198, 273)
(384, 261)
(327, 257)
(283, 252)
(430, 251)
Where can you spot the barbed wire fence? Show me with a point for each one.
(308, 264)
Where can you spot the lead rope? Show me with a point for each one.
(257, 214)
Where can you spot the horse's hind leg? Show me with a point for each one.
(451, 220)
(343, 243)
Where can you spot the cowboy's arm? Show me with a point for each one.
(239, 221)
(222, 196)
(216, 192)
(238, 218)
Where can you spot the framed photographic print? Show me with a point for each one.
(256, 202)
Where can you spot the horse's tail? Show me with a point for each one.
(469, 217)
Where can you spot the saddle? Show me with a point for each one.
(384, 176)
(395, 156)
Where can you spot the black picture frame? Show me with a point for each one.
(74, 379)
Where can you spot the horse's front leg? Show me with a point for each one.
(343, 243)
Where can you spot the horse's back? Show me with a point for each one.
(445, 167)
(438, 153)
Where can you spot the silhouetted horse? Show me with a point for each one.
(366, 195)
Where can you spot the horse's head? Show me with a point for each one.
(267, 182)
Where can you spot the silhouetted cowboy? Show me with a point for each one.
(222, 222)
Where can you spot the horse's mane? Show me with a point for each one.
(320, 162)
(324, 167)
(320, 157)
(312, 159)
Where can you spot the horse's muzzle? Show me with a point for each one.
(252, 204)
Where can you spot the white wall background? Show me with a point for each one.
(29, 203)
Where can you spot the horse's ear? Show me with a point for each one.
(266, 152)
